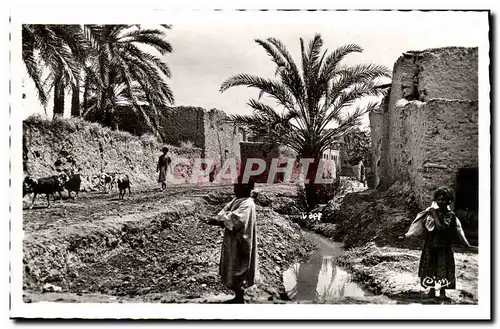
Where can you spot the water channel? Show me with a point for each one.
(320, 279)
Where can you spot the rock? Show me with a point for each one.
(51, 288)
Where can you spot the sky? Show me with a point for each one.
(205, 53)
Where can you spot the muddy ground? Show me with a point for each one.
(153, 246)
(392, 272)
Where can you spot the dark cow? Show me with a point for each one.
(45, 185)
(123, 183)
(27, 189)
(73, 184)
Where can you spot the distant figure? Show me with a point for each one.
(440, 229)
(211, 176)
(162, 167)
(238, 263)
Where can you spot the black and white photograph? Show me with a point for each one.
(250, 164)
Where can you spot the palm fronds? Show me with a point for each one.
(312, 98)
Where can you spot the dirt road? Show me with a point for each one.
(93, 206)
(151, 246)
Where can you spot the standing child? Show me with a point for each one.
(440, 228)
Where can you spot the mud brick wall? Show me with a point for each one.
(450, 73)
(222, 138)
(208, 130)
(380, 144)
(450, 143)
(183, 124)
(50, 147)
(426, 129)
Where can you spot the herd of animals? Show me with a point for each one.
(72, 183)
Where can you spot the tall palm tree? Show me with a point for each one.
(310, 99)
(118, 57)
(60, 48)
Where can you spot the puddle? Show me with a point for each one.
(320, 279)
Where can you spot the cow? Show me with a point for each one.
(27, 189)
(123, 183)
(73, 183)
(46, 185)
(91, 183)
(107, 179)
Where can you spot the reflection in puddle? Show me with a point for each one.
(320, 279)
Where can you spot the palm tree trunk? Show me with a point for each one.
(58, 96)
(75, 100)
(85, 97)
(312, 188)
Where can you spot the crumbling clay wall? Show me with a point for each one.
(51, 147)
(451, 142)
(183, 124)
(222, 138)
(426, 129)
(380, 144)
(211, 131)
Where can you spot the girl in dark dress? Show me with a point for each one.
(442, 229)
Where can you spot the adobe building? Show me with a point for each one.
(426, 129)
(209, 130)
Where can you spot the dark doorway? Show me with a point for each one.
(467, 202)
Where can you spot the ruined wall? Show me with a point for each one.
(50, 147)
(426, 129)
(416, 118)
(222, 138)
(208, 130)
(378, 132)
(450, 143)
(449, 73)
(183, 124)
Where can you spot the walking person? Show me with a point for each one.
(163, 165)
(238, 262)
(440, 229)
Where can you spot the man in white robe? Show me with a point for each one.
(238, 263)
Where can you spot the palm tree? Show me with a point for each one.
(118, 58)
(309, 101)
(61, 49)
